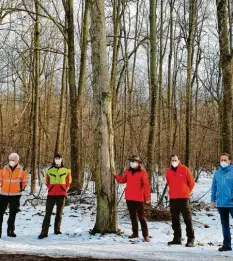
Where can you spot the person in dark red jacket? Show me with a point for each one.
(180, 183)
(136, 192)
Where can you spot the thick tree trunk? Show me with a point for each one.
(106, 216)
(226, 66)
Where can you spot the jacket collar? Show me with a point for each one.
(226, 168)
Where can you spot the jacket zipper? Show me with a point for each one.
(222, 189)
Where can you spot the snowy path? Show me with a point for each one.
(56, 247)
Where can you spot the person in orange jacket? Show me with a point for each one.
(13, 180)
(180, 184)
(136, 192)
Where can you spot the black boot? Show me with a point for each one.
(190, 242)
(11, 233)
(43, 235)
(133, 236)
(223, 248)
(57, 232)
(175, 241)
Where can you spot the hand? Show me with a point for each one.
(147, 202)
(213, 204)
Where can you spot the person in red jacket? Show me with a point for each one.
(136, 192)
(180, 183)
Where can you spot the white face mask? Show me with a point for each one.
(224, 164)
(133, 165)
(58, 161)
(12, 163)
(175, 164)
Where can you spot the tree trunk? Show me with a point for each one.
(153, 92)
(59, 141)
(73, 98)
(35, 104)
(169, 86)
(190, 43)
(106, 216)
(160, 82)
(81, 88)
(226, 66)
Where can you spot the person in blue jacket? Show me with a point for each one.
(222, 197)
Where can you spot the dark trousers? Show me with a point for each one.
(59, 201)
(224, 215)
(13, 202)
(182, 206)
(136, 211)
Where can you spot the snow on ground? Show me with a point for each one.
(76, 240)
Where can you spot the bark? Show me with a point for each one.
(73, 98)
(116, 23)
(160, 82)
(154, 90)
(190, 44)
(81, 88)
(35, 110)
(169, 87)
(61, 123)
(226, 67)
(106, 216)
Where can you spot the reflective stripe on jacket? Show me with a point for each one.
(137, 185)
(180, 182)
(58, 181)
(222, 187)
(13, 182)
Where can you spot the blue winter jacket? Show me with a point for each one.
(222, 187)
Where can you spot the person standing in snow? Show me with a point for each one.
(13, 180)
(136, 192)
(222, 197)
(58, 180)
(180, 183)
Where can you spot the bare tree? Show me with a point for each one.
(106, 216)
(226, 67)
(154, 90)
(35, 108)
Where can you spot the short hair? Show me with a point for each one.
(14, 155)
(173, 155)
(226, 154)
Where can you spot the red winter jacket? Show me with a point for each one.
(180, 182)
(137, 185)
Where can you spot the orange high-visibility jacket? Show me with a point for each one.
(12, 182)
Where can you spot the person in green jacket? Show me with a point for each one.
(58, 180)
